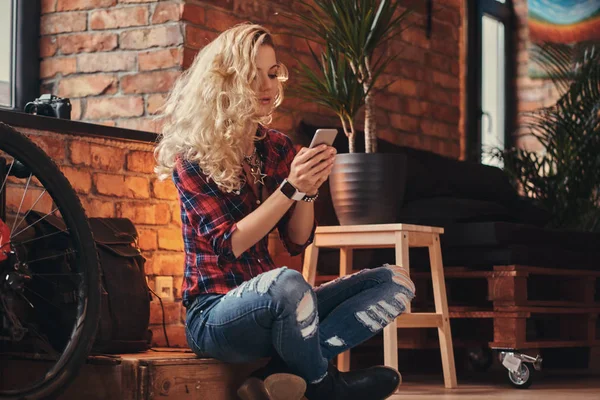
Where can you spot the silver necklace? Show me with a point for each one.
(255, 165)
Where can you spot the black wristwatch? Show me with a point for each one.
(290, 191)
(294, 194)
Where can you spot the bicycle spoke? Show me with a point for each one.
(28, 212)
(58, 274)
(46, 345)
(55, 288)
(44, 276)
(21, 205)
(51, 257)
(48, 280)
(26, 299)
(7, 175)
(43, 298)
(27, 227)
(14, 244)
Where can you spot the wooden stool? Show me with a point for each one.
(401, 237)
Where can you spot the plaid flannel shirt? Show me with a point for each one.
(209, 219)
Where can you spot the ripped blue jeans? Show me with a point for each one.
(278, 311)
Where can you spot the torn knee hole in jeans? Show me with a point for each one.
(400, 276)
(260, 284)
(378, 316)
(335, 341)
(306, 315)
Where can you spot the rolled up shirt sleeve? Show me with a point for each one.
(293, 248)
(205, 207)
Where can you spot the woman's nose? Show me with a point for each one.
(265, 83)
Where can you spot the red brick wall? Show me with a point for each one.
(114, 178)
(421, 109)
(117, 59)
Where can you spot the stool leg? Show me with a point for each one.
(441, 307)
(309, 270)
(390, 332)
(343, 361)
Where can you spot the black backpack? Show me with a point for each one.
(125, 297)
(125, 307)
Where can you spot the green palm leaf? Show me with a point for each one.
(351, 31)
(564, 178)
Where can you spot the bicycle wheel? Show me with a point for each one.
(50, 282)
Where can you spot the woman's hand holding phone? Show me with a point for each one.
(311, 167)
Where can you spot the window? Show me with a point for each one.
(19, 52)
(5, 53)
(493, 83)
(490, 99)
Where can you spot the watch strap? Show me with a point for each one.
(290, 191)
(312, 198)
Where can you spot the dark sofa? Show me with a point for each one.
(486, 222)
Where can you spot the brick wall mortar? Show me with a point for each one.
(75, 156)
(422, 110)
(432, 65)
(69, 55)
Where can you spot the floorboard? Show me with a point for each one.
(555, 386)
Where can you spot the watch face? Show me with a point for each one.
(288, 189)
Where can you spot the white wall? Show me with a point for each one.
(5, 38)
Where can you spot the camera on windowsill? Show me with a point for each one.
(50, 105)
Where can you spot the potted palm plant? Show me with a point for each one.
(564, 178)
(365, 187)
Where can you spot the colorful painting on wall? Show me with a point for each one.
(562, 21)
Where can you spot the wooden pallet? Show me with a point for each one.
(517, 285)
(509, 329)
(545, 327)
(514, 285)
(501, 307)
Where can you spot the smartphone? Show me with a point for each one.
(323, 136)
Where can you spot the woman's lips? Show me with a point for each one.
(265, 100)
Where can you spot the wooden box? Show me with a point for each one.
(168, 374)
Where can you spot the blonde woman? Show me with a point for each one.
(238, 180)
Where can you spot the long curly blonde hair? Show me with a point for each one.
(212, 105)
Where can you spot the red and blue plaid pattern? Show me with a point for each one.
(209, 219)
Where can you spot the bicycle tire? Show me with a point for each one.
(88, 311)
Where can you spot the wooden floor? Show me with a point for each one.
(549, 387)
(179, 375)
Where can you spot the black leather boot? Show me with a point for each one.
(375, 383)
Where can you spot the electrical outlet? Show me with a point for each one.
(164, 287)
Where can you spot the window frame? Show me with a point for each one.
(25, 54)
(504, 13)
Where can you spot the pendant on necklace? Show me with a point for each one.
(258, 176)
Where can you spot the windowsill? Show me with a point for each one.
(19, 119)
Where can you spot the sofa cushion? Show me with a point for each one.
(549, 257)
(502, 233)
(444, 211)
(433, 175)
